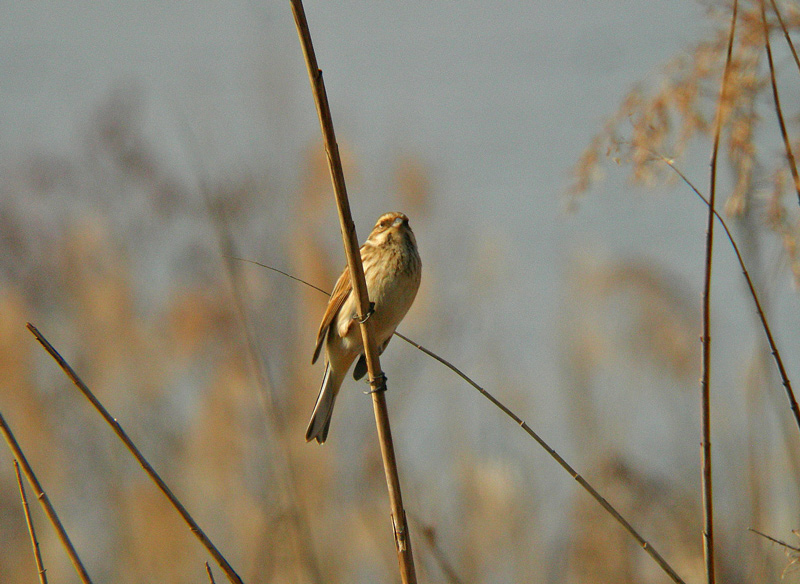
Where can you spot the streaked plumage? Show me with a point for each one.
(392, 270)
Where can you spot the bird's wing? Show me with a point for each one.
(340, 293)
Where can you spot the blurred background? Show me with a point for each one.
(145, 144)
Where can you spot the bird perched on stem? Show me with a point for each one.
(392, 270)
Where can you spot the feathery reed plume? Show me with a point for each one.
(670, 116)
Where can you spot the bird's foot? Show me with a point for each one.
(365, 318)
(378, 383)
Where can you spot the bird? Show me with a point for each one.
(392, 270)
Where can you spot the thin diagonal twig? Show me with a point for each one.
(773, 347)
(377, 380)
(45, 501)
(651, 551)
(193, 526)
(34, 542)
(776, 98)
(646, 546)
(287, 274)
(786, 34)
(773, 540)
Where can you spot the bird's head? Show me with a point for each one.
(388, 226)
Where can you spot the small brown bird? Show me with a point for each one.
(392, 269)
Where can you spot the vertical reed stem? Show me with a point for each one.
(705, 376)
(377, 380)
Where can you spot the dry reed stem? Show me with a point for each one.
(45, 501)
(786, 34)
(773, 347)
(646, 546)
(29, 521)
(287, 274)
(792, 552)
(193, 526)
(377, 379)
(210, 574)
(778, 111)
(705, 375)
(774, 540)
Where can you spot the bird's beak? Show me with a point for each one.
(399, 221)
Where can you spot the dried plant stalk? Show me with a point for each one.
(210, 574)
(377, 379)
(29, 521)
(193, 526)
(778, 110)
(646, 546)
(45, 501)
(773, 347)
(705, 375)
(786, 34)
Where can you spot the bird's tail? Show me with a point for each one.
(321, 416)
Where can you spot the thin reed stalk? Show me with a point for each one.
(776, 98)
(773, 347)
(193, 526)
(773, 540)
(646, 546)
(45, 501)
(29, 521)
(210, 574)
(377, 380)
(786, 34)
(302, 540)
(705, 366)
